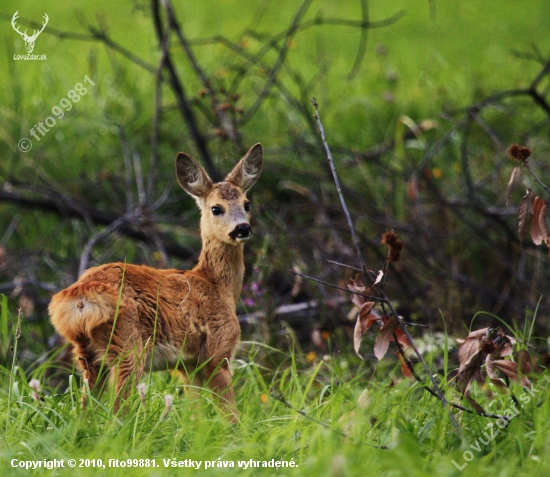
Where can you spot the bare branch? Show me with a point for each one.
(183, 103)
(74, 208)
(361, 50)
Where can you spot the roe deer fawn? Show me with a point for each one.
(130, 317)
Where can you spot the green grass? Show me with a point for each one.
(428, 65)
(359, 419)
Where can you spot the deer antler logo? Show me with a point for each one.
(29, 40)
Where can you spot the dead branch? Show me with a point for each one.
(223, 120)
(362, 49)
(183, 103)
(289, 34)
(286, 312)
(77, 209)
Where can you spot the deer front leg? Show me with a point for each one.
(125, 372)
(217, 349)
(219, 379)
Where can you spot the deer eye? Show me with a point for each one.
(217, 210)
(247, 206)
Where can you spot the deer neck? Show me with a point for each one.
(223, 263)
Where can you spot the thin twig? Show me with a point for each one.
(71, 207)
(157, 119)
(96, 35)
(338, 188)
(280, 60)
(336, 286)
(282, 400)
(535, 177)
(344, 265)
(96, 238)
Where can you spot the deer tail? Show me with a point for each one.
(82, 307)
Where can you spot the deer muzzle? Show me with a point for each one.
(241, 233)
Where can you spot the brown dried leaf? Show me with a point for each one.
(470, 345)
(523, 359)
(366, 317)
(508, 346)
(509, 368)
(405, 367)
(469, 372)
(513, 182)
(539, 230)
(491, 372)
(355, 285)
(357, 336)
(525, 214)
(364, 321)
(402, 338)
(384, 337)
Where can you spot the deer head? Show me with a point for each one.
(29, 40)
(224, 206)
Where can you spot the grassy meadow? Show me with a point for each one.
(309, 405)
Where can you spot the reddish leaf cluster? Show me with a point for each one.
(519, 153)
(394, 245)
(388, 329)
(532, 209)
(488, 347)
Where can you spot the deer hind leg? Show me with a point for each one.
(192, 384)
(86, 358)
(83, 314)
(122, 350)
(191, 381)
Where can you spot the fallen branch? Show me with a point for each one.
(83, 211)
(286, 310)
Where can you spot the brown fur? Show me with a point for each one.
(129, 317)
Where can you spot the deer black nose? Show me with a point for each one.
(243, 230)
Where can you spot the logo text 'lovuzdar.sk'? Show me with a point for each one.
(29, 40)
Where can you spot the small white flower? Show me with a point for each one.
(168, 399)
(141, 391)
(34, 384)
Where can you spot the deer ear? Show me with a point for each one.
(248, 169)
(191, 176)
